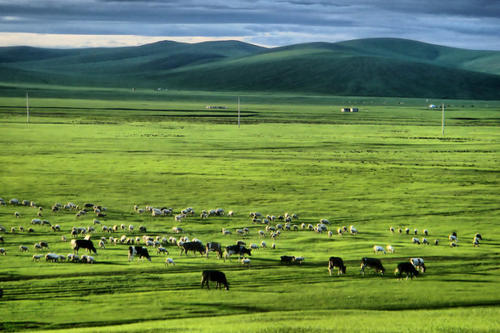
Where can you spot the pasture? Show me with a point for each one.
(387, 165)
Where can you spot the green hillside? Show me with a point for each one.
(366, 67)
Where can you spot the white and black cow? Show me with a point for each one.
(240, 250)
(215, 247)
(336, 262)
(140, 251)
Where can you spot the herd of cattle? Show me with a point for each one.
(410, 269)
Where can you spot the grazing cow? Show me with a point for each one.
(287, 259)
(418, 263)
(215, 247)
(87, 244)
(142, 252)
(374, 263)
(406, 268)
(192, 246)
(236, 249)
(214, 275)
(336, 262)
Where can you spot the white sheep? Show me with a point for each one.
(230, 213)
(415, 240)
(161, 250)
(378, 249)
(353, 230)
(169, 261)
(101, 244)
(299, 260)
(263, 244)
(245, 261)
(389, 248)
(36, 257)
(3, 251)
(23, 248)
(273, 246)
(391, 229)
(254, 246)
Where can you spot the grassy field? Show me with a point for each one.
(387, 165)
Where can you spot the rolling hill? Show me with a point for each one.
(366, 67)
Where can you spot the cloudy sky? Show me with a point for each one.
(473, 24)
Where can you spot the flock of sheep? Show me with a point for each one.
(274, 226)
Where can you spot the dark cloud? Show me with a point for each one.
(438, 21)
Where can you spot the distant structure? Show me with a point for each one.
(215, 107)
(349, 110)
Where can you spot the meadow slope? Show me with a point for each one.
(387, 165)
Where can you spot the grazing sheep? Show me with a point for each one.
(475, 242)
(131, 228)
(101, 244)
(389, 248)
(230, 213)
(400, 230)
(161, 250)
(90, 260)
(177, 230)
(169, 261)
(262, 233)
(63, 238)
(324, 221)
(391, 229)
(1, 239)
(23, 248)
(415, 231)
(418, 263)
(425, 241)
(436, 242)
(246, 261)
(254, 246)
(407, 230)
(453, 244)
(378, 249)
(36, 257)
(330, 234)
(17, 215)
(478, 236)
(52, 257)
(2, 251)
(340, 231)
(142, 228)
(299, 260)
(14, 202)
(12, 229)
(273, 246)
(353, 230)
(426, 232)
(415, 240)
(37, 246)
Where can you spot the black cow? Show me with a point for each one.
(213, 275)
(77, 244)
(336, 262)
(374, 263)
(236, 249)
(142, 252)
(287, 259)
(192, 246)
(406, 268)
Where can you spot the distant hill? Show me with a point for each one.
(365, 67)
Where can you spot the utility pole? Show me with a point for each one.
(238, 111)
(27, 108)
(442, 119)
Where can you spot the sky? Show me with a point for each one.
(471, 24)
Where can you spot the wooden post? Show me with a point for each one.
(442, 119)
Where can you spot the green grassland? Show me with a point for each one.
(387, 165)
